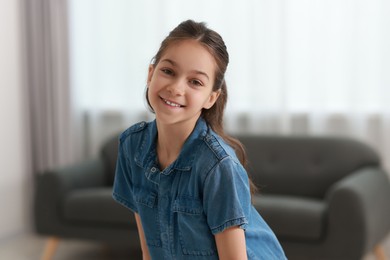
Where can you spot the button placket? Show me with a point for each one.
(165, 215)
(153, 175)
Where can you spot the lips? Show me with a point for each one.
(171, 103)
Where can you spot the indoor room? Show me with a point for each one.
(168, 129)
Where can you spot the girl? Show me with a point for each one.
(181, 175)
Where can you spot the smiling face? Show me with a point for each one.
(181, 83)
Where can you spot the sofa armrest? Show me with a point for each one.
(359, 209)
(52, 186)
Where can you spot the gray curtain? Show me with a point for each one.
(48, 90)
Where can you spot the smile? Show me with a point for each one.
(170, 103)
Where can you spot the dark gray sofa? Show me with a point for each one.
(325, 198)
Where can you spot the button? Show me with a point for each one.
(153, 169)
(142, 124)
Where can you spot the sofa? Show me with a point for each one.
(324, 197)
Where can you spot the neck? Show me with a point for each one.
(170, 141)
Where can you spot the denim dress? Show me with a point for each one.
(202, 193)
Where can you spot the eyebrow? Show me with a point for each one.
(196, 71)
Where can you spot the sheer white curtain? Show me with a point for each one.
(297, 67)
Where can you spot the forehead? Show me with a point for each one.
(191, 55)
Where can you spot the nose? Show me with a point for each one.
(176, 88)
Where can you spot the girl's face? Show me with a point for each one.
(180, 85)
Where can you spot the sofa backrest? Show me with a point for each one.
(109, 154)
(303, 166)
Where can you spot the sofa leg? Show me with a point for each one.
(50, 248)
(379, 253)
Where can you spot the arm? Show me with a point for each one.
(144, 247)
(231, 244)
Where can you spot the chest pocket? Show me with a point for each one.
(147, 201)
(146, 198)
(194, 233)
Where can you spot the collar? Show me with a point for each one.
(146, 155)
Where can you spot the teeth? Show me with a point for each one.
(171, 103)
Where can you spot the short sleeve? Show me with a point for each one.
(226, 196)
(123, 186)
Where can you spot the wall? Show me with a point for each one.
(14, 177)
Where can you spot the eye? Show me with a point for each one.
(196, 82)
(167, 71)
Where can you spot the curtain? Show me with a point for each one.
(301, 67)
(48, 91)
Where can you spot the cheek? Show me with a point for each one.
(152, 88)
(152, 95)
(148, 99)
(156, 83)
(199, 99)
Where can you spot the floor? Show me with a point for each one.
(29, 247)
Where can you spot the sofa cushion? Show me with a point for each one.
(95, 206)
(292, 217)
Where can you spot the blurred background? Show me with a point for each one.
(73, 73)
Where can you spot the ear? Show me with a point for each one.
(150, 73)
(212, 99)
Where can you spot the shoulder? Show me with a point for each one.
(214, 146)
(134, 129)
(135, 139)
(135, 135)
(217, 145)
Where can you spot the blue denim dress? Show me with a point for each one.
(202, 193)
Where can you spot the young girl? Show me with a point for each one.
(181, 175)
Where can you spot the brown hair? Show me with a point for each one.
(214, 43)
